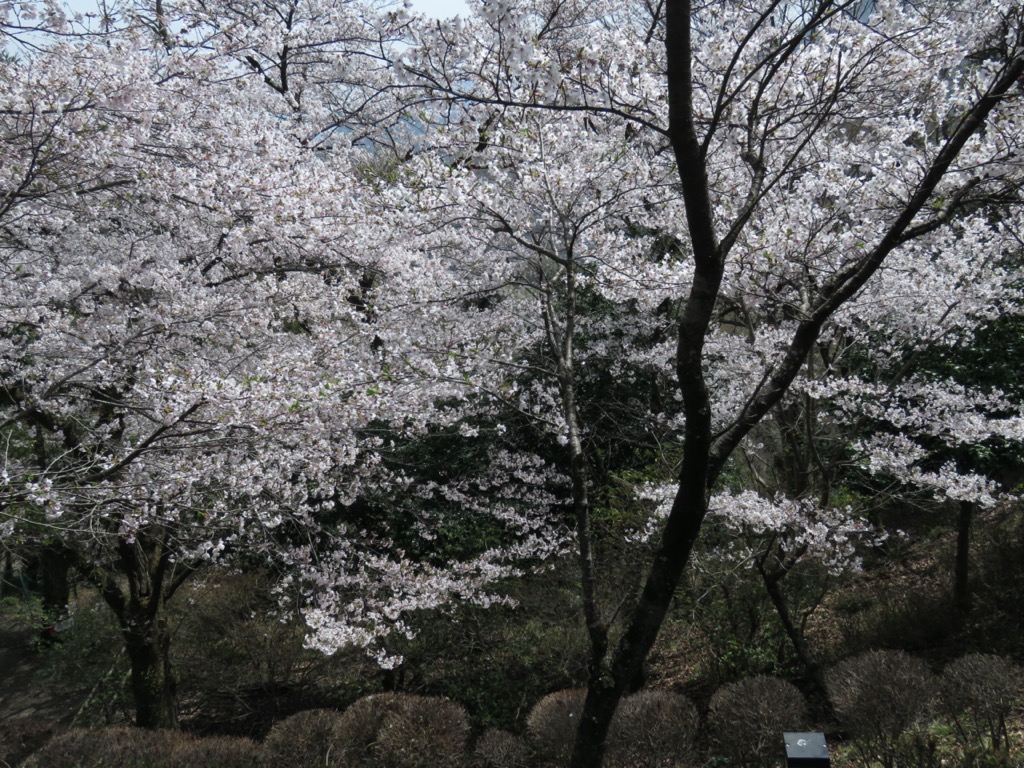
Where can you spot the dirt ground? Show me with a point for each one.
(29, 713)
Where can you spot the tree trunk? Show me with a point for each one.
(145, 567)
(772, 584)
(690, 506)
(961, 591)
(54, 566)
(7, 585)
(608, 684)
(153, 686)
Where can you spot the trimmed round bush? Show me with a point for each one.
(216, 752)
(747, 718)
(552, 725)
(877, 697)
(304, 740)
(424, 732)
(650, 728)
(358, 726)
(104, 748)
(141, 748)
(500, 749)
(392, 730)
(978, 691)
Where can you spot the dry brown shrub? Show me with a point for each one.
(305, 739)
(652, 728)
(552, 725)
(500, 749)
(879, 696)
(128, 747)
(393, 730)
(979, 691)
(422, 732)
(747, 718)
(123, 747)
(214, 752)
(356, 731)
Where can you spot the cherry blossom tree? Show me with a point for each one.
(820, 179)
(212, 332)
(256, 253)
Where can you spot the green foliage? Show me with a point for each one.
(79, 658)
(23, 612)
(988, 361)
(766, 655)
(444, 457)
(85, 653)
(916, 748)
(741, 633)
(991, 358)
(982, 758)
(498, 661)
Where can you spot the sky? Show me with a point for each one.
(438, 9)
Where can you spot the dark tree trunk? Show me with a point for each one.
(151, 578)
(773, 585)
(961, 570)
(7, 584)
(54, 567)
(148, 645)
(607, 685)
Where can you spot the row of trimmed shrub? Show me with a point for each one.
(128, 747)
(882, 701)
(392, 731)
(655, 728)
(879, 698)
(382, 731)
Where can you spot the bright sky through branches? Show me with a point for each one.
(439, 9)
